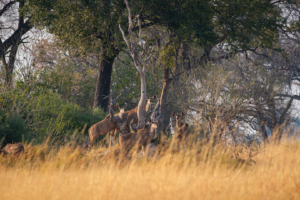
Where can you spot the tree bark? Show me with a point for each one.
(164, 96)
(104, 79)
(140, 111)
(13, 43)
(9, 67)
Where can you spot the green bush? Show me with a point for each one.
(12, 128)
(57, 118)
(39, 114)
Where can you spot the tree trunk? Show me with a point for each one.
(13, 43)
(9, 67)
(140, 111)
(164, 96)
(104, 79)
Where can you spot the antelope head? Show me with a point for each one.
(122, 110)
(151, 98)
(178, 119)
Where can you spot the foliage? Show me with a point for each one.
(12, 128)
(43, 113)
(56, 118)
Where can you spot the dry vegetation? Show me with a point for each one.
(200, 172)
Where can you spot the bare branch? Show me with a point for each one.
(124, 37)
(283, 115)
(114, 100)
(297, 97)
(140, 34)
(6, 7)
(130, 26)
(149, 56)
(176, 75)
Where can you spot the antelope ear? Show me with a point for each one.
(173, 113)
(154, 97)
(158, 121)
(182, 114)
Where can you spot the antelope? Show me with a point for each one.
(178, 119)
(141, 137)
(182, 134)
(13, 149)
(103, 127)
(182, 131)
(106, 125)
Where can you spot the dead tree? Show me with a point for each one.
(139, 62)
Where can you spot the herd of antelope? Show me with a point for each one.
(129, 135)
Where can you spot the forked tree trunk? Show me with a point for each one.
(138, 61)
(13, 43)
(104, 79)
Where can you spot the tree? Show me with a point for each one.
(138, 61)
(239, 25)
(89, 24)
(94, 25)
(65, 70)
(13, 27)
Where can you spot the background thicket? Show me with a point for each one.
(228, 65)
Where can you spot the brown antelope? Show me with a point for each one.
(106, 125)
(178, 119)
(141, 137)
(182, 134)
(13, 149)
(182, 130)
(103, 127)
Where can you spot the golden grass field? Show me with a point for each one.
(199, 173)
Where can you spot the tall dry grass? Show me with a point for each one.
(200, 172)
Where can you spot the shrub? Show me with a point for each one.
(39, 114)
(57, 118)
(12, 128)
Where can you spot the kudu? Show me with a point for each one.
(178, 119)
(182, 130)
(106, 125)
(13, 149)
(141, 137)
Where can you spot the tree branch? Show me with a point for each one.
(296, 97)
(6, 7)
(125, 39)
(15, 37)
(282, 117)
